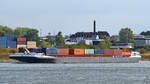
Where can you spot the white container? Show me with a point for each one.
(21, 46)
(31, 44)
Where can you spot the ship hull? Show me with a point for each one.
(96, 60)
(33, 60)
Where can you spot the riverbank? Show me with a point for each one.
(7, 61)
(146, 56)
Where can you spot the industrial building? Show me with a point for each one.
(89, 38)
(142, 41)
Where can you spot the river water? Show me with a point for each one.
(106, 73)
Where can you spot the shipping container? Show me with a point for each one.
(63, 51)
(117, 52)
(3, 43)
(21, 42)
(3, 38)
(44, 50)
(31, 44)
(125, 53)
(89, 51)
(50, 51)
(10, 37)
(99, 51)
(21, 39)
(32, 50)
(11, 44)
(21, 46)
(77, 51)
(35, 50)
(108, 51)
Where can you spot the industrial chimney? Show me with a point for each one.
(94, 26)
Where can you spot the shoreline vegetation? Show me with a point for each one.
(4, 55)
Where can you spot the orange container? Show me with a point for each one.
(108, 51)
(126, 53)
(117, 52)
(63, 51)
(76, 51)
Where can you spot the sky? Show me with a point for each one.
(71, 16)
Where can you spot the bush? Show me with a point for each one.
(4, 52)
(13, 50)
(142, 50)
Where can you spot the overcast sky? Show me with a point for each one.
(70, 16)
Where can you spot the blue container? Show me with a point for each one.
(9, 37)
(3, 38)
(33, 50)
(44, 50)
(50, 51)
(11, 44)
(3, 43)
(99, 51)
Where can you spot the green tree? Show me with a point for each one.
(29, 33)
(147, 33)
(126, 35)
(21, 31)
(60, 40)
(44, 44)
(32, 35)
(5, 30)
(51, 40)
(106, 43)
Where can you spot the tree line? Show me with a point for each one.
(30, 33)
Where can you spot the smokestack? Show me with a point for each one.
(94, 26)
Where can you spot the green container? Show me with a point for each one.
(89, 51)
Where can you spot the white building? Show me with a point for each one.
(86, 37)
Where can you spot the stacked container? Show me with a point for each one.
(99, 51)
(11, 44)
(63, 51)
(108, 52)
(117, 52)
(125, 53)
(3, 42)
(50, 51)
(89, 51)
(77, 51)
(10, 37)
(21, 42)
(31, 44)
(32, 50)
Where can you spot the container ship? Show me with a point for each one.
(65, 55)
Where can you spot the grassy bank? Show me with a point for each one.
(4, 53)
(146, 56)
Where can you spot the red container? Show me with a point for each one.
(108, 51)
(22, 42)
(21, 39)
(76, 51)
(63, 51)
